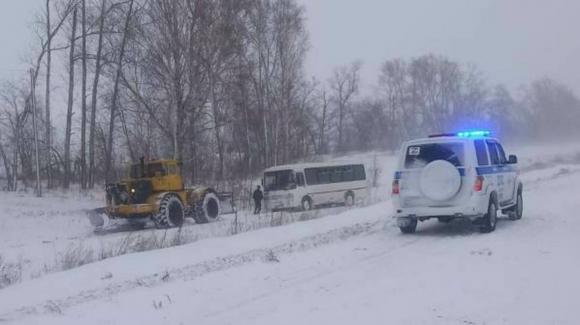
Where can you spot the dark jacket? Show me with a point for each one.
(258, 195)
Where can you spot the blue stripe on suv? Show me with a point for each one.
(494, 169)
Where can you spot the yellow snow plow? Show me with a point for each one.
(154, 190)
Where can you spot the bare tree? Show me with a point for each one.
(344, 84)
(15, 108)
(46, 48)
(69, 113)
(83, 161)
(114, 99)
(94, 94)
(32, 105)
(48, 126)
(7, 168)
(322, 143)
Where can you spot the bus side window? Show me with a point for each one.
(311, 176)
(324, 175)
(336, 175)
(359, 171)
(348, 174)
(300, 179)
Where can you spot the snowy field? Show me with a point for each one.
(336, 266)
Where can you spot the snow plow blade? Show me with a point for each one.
(98, 217)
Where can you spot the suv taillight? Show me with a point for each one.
(478, 185)
(395, 188)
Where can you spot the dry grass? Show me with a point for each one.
(10, 273)
(76, 256)
(141, 241)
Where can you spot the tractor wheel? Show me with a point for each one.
(207, 209)
(170, 213)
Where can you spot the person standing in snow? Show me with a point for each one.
(258, 196)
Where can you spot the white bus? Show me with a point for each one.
(305, 186)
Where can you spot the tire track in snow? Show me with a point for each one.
(313, 277)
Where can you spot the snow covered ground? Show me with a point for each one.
(344, 266)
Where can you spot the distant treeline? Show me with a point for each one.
(221, 85)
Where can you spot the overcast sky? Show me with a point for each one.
(512, 41)
(16, 17)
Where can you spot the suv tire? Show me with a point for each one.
(489, 221)
(517, 211)
(410, 228)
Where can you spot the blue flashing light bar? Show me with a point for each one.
(471, 134)
(464, 134)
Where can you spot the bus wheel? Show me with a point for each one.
(306, 204)
(349, 199)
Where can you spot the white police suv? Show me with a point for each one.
(458, 175)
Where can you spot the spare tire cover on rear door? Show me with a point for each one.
(440, 180)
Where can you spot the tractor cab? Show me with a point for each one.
(145, 179)
(164, 175)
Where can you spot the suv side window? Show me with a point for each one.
(502, 159)
(491, 146)
(481, 152)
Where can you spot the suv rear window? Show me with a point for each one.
(420, 155)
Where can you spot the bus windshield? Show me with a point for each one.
(279, 180)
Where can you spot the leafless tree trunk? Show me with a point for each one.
(68, 131)
(46, 49)
(322, 138)
(94, 97)
(84, 97)
(32, 103)
(344, 82)
(114, 99)
(48, 126)
(7, 169)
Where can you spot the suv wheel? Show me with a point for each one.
(518, 210)
(410, 227)
(490, 219)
